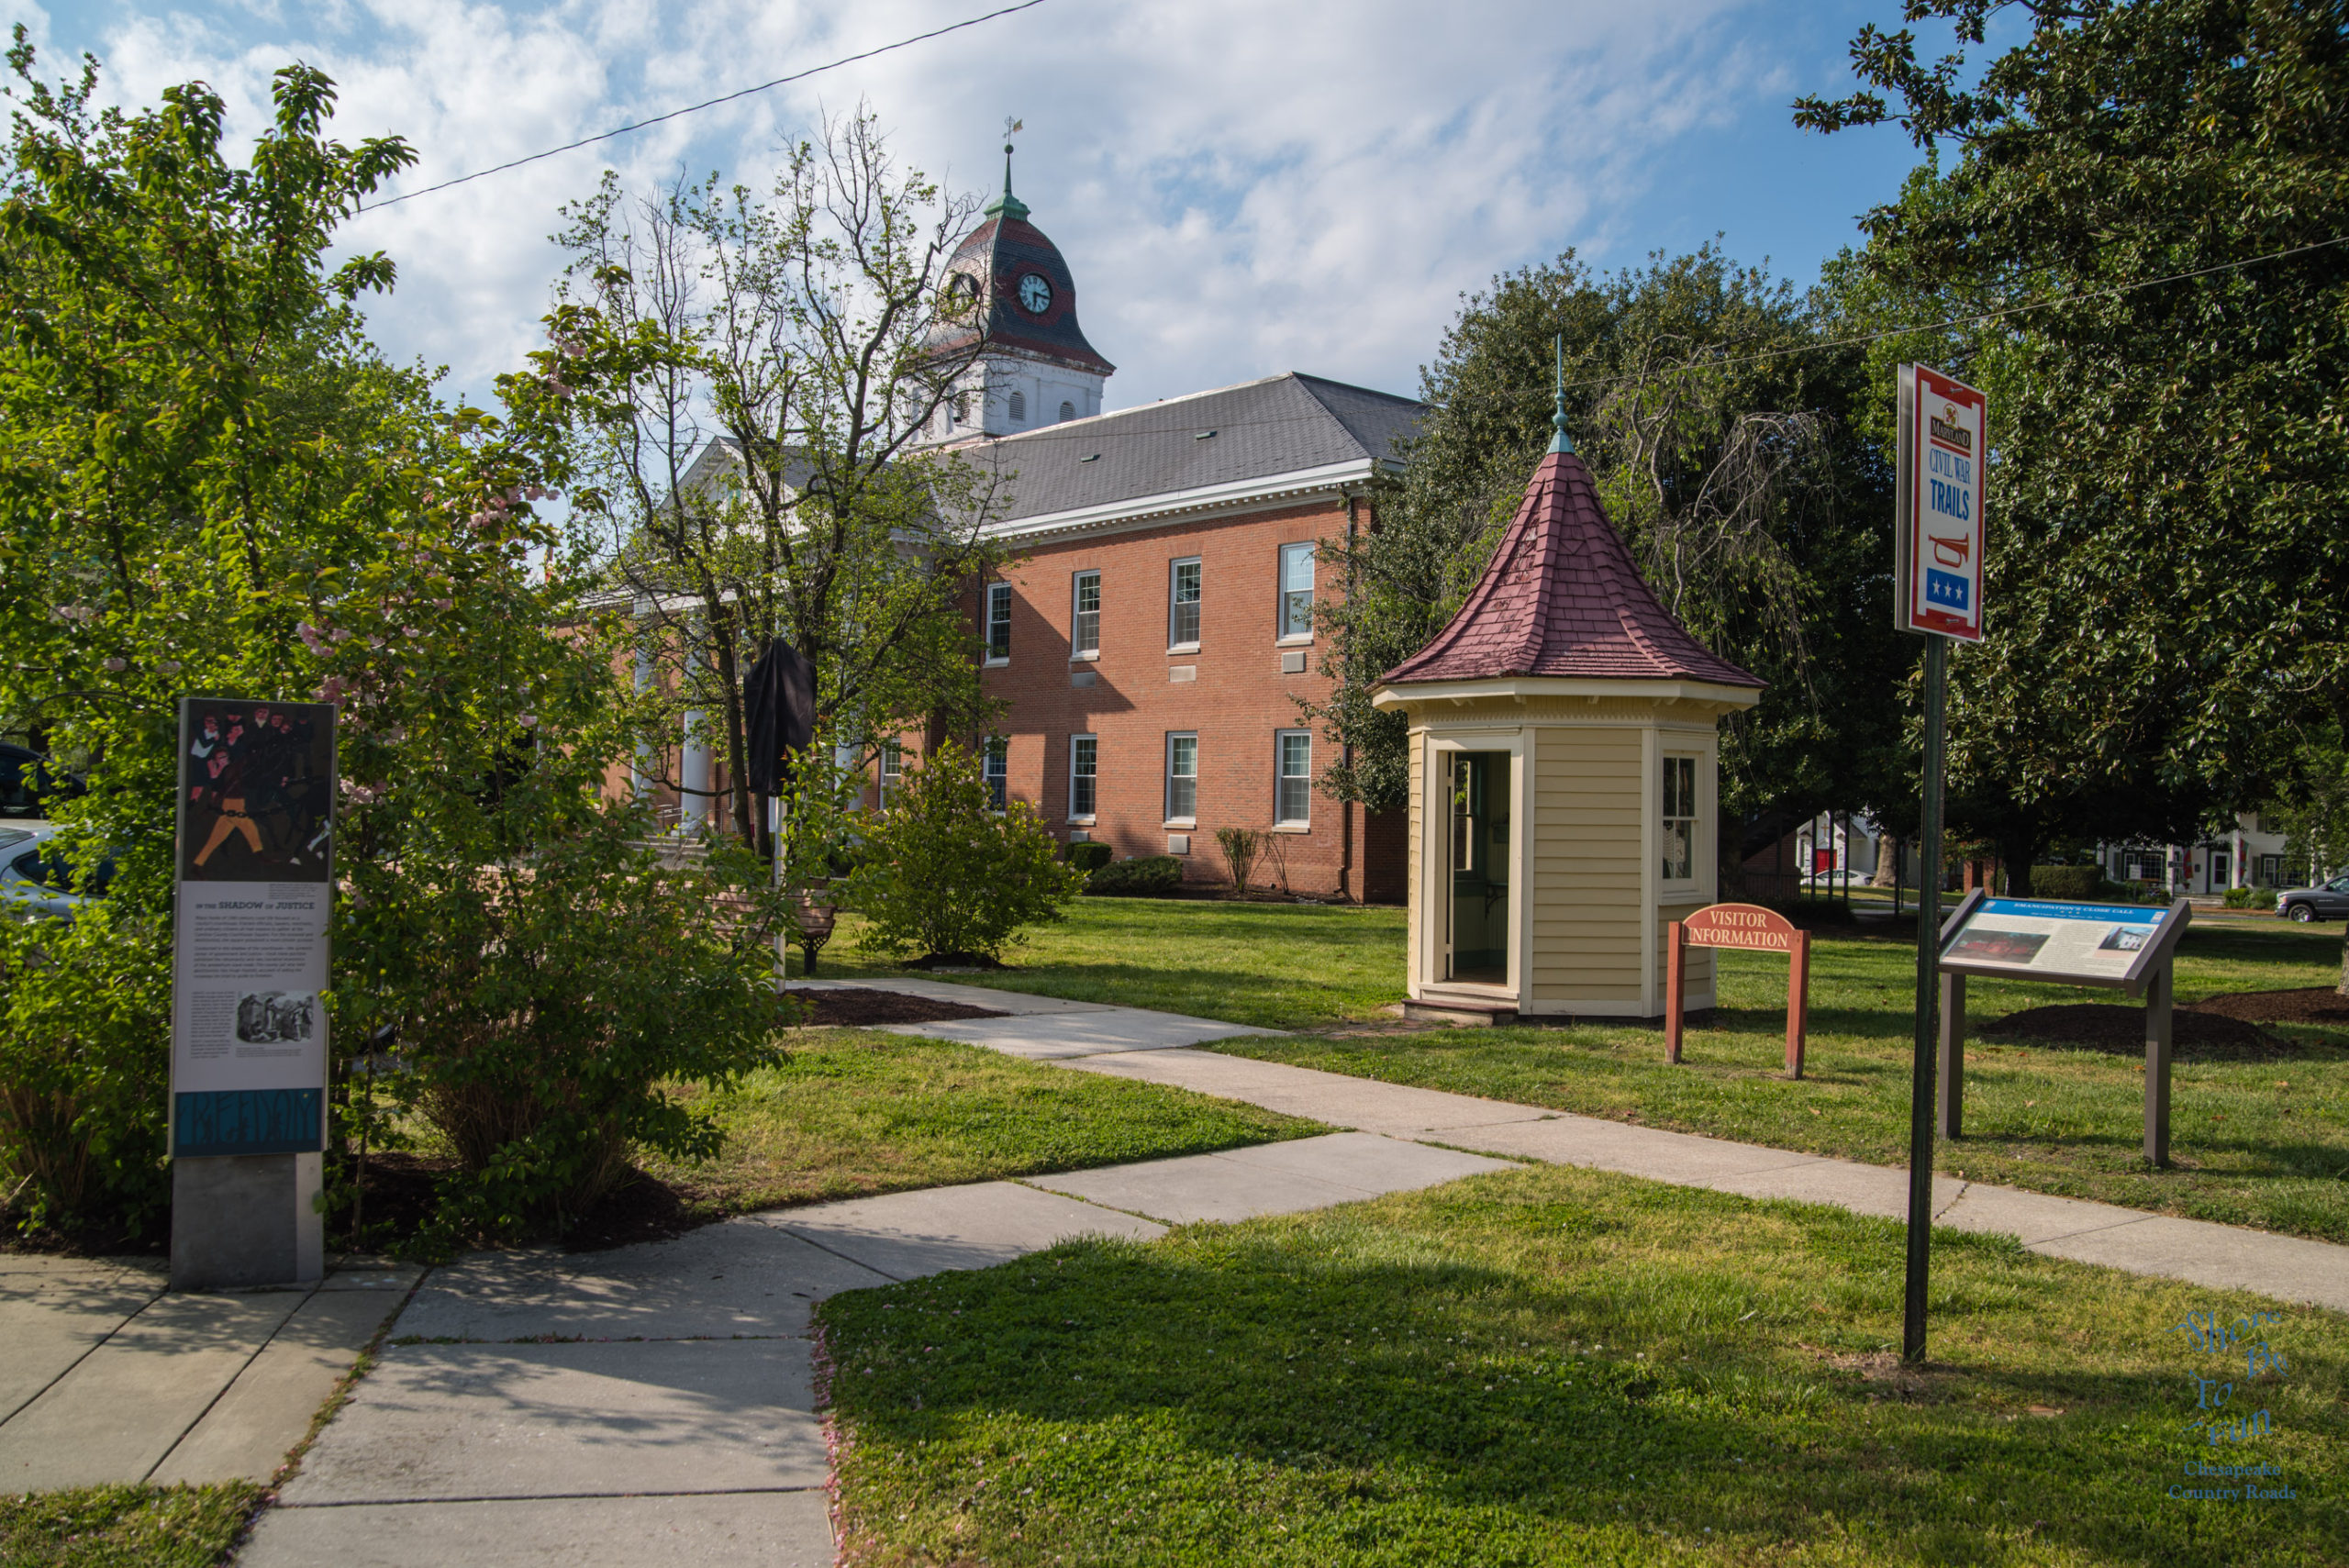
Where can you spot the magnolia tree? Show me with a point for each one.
(749, 375)
(215, 485)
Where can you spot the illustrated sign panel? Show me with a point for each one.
(2042, 939)
(250, 961)
(1938, 556)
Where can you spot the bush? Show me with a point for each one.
(1144, 876)
(1088, 856)
(547, 1008)
(947, 874)
(2078, 884)
(85, 1068)
(1241, 847)
(2251, 897)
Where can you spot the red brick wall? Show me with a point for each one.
(1238, 701)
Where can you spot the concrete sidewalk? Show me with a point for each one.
(2287, 1267)
(654, 1405)
(109, 1378)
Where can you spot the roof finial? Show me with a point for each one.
(1560, 442)
(1006, 203)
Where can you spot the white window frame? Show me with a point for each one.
(1019, 406)
(1435, 826)
(1175, 641)
(1680, 782)
(1168, 777)
(999, 596)
(994, 767)
(1088, 747)
(892, 768)
(1077, 613)
(1303, 822)
(1309, 550)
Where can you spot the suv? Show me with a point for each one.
(26, 784)
(2320, 902)
(34, 880)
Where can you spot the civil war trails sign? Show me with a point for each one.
(249, 966)
(1937, 553)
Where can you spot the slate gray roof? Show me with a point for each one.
(1282, 424)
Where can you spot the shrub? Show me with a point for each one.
(2080, 884)
(84, 1068)
(548, 1007)
(1241, 848)
(2251, 897)
(1088, 856)
(945, 873)
(1144, 876)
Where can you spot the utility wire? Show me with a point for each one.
(713, 103)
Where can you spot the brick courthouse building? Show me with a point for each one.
(1154, 628)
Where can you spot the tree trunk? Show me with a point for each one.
(2343, 986)
(2017, 850)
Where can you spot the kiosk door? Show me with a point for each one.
(1477, 923)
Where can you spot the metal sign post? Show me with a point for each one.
(1937, 548)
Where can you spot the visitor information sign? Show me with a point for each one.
(1938, 526)
(249, 966)
(2096, 944)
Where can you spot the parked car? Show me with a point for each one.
(35, 879)
(2322, 902)
(27, 784)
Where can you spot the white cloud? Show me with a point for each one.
(1240, 188)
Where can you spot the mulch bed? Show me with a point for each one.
(858, 1006)
(2195, 1036)
(2317, 1004)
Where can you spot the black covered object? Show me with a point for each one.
(779, 703)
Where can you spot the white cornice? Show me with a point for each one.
(1525, 688)
(1205, 501)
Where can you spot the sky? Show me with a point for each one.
(1241, 187)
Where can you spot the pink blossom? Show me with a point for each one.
(409, 631)
(331, 689)
(310, 639)
(444, 603)
(117, 665)
(169, 666)
(530, 720)
(535, 493)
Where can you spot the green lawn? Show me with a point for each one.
(2260, 1143)
(124, 1527)
(857, 1111)
(1279, 966)
(1561, 1367)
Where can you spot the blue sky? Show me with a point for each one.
(1241, 187)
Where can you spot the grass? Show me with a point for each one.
(1278, 965)
(1561, 1366)
(2258, 1143)
(858, 1111)
(124, 1527)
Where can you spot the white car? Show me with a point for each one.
(33, 876)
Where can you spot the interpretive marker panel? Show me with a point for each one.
(249, 962)
(2081, 944)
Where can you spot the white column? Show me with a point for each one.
(641, 770)
(693, 772)
(2235, 877)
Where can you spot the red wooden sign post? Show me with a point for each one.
(1739, 925)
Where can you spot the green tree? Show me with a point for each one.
(1727, 451)
(753, 375)
(2167, 469)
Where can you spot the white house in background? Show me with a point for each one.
(2250, 855)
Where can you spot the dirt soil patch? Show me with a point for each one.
(2316, 1005)
(2195, 1035)
(856, 1005)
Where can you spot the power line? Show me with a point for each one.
(713, 103)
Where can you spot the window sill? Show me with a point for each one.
(1180, 824)
(1085, 658)
(1081, 821)
(1301, 641)
(1181, 648)
(993, 663)
(1291, 826)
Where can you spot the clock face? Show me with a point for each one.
(1035, 294)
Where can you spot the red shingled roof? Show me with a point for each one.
(1562, 598)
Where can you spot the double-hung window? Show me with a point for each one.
(1084, 624)
(995, 762)
(1084, 763)
(1181, 778)
(1679, 834)
(1293, 778)
(1183, 606)
(893, 768)
(998, 623)
(1296, 590)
